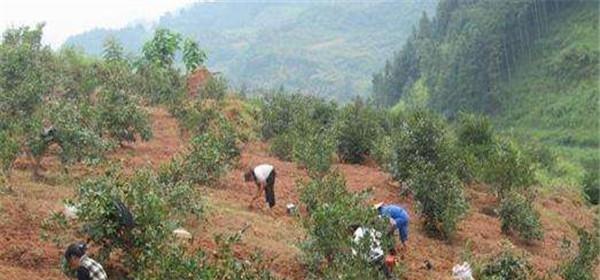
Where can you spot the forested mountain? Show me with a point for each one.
(324, 47)
(532, 64)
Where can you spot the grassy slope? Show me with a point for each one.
(561, 111)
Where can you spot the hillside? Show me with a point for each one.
(277, 235)
(327, 48)
(531, 65)
(554, 96)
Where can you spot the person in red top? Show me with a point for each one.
(264, 177)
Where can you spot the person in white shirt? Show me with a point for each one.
(264, 177)
(375, 255)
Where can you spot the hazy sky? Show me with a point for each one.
(68, 17)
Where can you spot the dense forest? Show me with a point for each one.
(531, 64)
(325, 48)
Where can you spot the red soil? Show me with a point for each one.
(24, 256)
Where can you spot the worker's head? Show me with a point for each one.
(74, 253)
(249, 175)
(377, 206)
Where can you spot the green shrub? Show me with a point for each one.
(517, 213)
(206, 160)
(332, 209)
(509, 168)
(9, 150)
(280, 111)
(157, 210)
(441, 201)
(282, 146)
(506, 265)
(121, 118)
(474, 130)
(424, 156)
(215, 88)
(421, 139)
(581, 266)
(313, 150)
(356, 129)
(382, 151)
(75, 135)
(591, 186)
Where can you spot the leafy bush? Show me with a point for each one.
(159, 204)
(423, 156)
(331, 211)
(581, 266)
(279, 111)
(591, 186)
(421, 140)
(506, 265)
(282, 146)
(215, 88)
(9, 150)
(157, 210)
(517, 213)
(159, 85)
(25, 72)
(440, 199)
(356, 129)
(73, 132)
(193, 56)
(313, 149)
(205, 160)
(509, 169)
(209, 155)
(382, 151)
(121, 118)
(474, 130)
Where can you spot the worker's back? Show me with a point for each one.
(395, 212)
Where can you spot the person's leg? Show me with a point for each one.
(270, 189)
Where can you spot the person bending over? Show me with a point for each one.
(264, 177)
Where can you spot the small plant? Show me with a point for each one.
(581, 266)
(282, 146)
(591, 186)
(215, 88)
(121, 118)
(356, 129)
(509, 169)
(506, 265)
(474, 130)
(9, 150)
(517, 213)
(332, 209)
(440, 199)
(314, 150)
(425, 158)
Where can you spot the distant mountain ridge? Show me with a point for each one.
(328, 48)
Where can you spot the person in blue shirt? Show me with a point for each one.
(398, 217)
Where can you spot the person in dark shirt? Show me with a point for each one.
(86, 267)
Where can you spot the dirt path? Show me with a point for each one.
(24, 256)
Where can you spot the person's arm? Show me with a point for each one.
(83, 274)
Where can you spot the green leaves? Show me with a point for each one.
(332, 209)
(356, 129)
(425, 158)
(162, 47)
(517, 213)
(193, 56)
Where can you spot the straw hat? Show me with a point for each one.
(377, 205)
